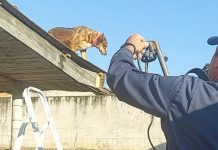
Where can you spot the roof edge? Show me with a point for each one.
(64, 49)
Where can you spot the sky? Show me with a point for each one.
(181, 27)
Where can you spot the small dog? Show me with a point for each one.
(80, 38)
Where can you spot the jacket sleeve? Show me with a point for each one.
(151, 93)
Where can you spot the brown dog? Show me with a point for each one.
(80, 38)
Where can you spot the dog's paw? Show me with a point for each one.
(67, 55)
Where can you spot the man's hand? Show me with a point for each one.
(140, 45)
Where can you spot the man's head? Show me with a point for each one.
(213, 68)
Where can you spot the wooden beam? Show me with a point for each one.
(100, 80)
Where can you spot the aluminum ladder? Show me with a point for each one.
(39, 133)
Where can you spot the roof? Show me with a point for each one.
(30, 55)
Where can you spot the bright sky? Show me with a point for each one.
(181, 27)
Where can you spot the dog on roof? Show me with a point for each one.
(80, 38)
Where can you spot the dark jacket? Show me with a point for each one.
(187, 106)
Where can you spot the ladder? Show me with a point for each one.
(39, 133)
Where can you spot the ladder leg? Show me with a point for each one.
(19, 140)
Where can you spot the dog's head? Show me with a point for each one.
(101, 44)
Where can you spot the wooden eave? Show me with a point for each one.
(30, 55)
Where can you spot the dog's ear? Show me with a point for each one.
(100, 38)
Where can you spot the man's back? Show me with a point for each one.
(186, 105)
(192, 121)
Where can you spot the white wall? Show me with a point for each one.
(94, 122)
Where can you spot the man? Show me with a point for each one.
(187, 106)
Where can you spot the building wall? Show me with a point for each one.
(5, 121)
(87, 121)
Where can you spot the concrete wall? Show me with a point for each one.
(87, 121)
(5, 121)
